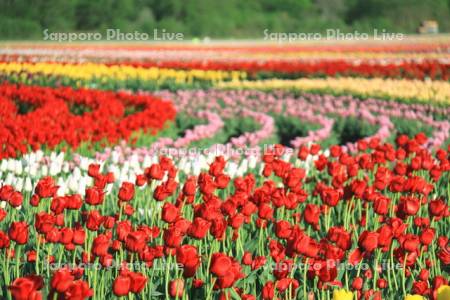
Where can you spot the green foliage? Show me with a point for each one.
(232, 128)
(289, 127)
(410, 127)
(185, 122)
(348, 130)
(20, 19)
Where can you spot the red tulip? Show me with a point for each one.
(27, 288)
(169, 212)
(46, 187)
(155, 172)
(427, 236)
(409, 205)
(78, 290)
(126, 191)
(16, 199)
(438, 208)
(173, 237)
(136, 241)
(283, 229)
(197, 283)
(381, 205)
(199, 228)
(121, 285)
(18, 232)
(312, 214)
(176, 288)
(357, 283)
(220, 264)
(187, 256)
(268, 291)
(100, 245)
(411, 243)
(190, 186)
(94, 196)
(138, 282)
(61, 280)
(368, 241)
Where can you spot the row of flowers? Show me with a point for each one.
(156, 70)
(406, 50)
(311, 108)
(92, 71)
(35, 117)
(433, 69)
(371, 225)
(428, 92)
(117, 76)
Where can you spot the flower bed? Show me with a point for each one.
(374, 224)
(48, 117)
(412, 91)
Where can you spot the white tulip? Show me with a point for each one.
(55, 168)
(9, 179)
(18, 185)
(11, 165)
(252, 161)
(18, 168)
(33, 171)
(88, 180)
(65, 167)
(53, 156)
(232, 169)
(187, 168)
(44, 170)
(28, 186)
(147, 161)
(108, 189)
(76, 173)
(81, 186)
(132, 178)
(196, 169)
(73, 184)
(39, 155)
(123, 178)
(62, 188)
(203, 162)
(60, 158)
(243, 167)
(32, 157)
(115, 157)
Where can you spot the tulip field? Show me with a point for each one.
(225, 171)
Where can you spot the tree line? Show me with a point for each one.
(23, 19)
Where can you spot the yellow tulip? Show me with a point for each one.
(90, 71)
(443, 292)
(392, 89)
(342, 295)
(414, 297)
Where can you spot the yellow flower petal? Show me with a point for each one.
(342, 295)
(443, 292)
(414, 297)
